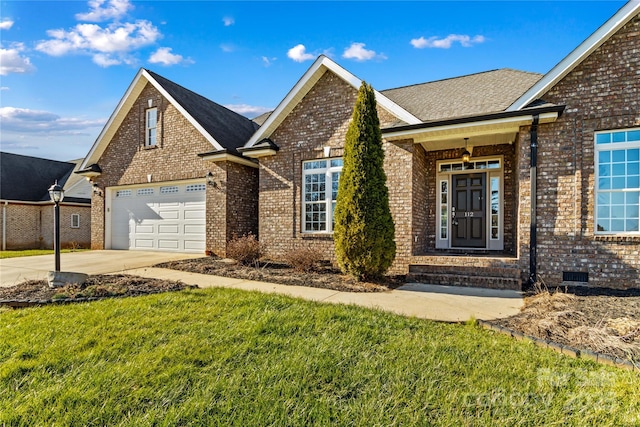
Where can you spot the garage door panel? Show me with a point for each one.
(168, 244)
(144, 243)
(170, 229)
(157, 220)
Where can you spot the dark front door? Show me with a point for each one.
(468, 228)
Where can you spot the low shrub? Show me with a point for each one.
(246, 250)
(304, 259)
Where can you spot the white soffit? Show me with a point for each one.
(306, 83)
(579, 54)
(468, 129)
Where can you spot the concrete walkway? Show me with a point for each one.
(444, 303)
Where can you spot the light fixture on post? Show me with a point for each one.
(466, 155)
(210, 180)
(56, 193)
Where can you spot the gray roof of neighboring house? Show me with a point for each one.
(227, 127)
(487, 92)
(262, 118)
(27, 179)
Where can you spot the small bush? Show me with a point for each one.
(304, 259)
(246, 250)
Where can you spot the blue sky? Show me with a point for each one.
(64, 65)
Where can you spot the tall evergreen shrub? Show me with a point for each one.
(364, 230)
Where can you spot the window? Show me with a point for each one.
(151, 127)
(320, 190)
(75, 220)
(195, 187)
(617, 182)
(144, 191)
(169, 190)
(124, 193)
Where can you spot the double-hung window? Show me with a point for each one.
(319, 192)
(151, 125)
(617, 198)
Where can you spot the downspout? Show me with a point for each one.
(534, 189)
(4, 225)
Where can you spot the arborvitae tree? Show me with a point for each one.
(364, 230)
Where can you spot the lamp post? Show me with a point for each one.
(56, 193)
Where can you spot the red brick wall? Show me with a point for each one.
(602, 93)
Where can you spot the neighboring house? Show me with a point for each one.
(26, 211)
(571, 137)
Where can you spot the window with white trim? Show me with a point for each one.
(319, 193)
(151, 124)
(617, 182)
(75, 220)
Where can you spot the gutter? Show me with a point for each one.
(533, 227)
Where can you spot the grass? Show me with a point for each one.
(34, 252)
(227, 357)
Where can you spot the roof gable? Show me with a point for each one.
(579, 54)
(223, 128)
(321, 65)
(27, 179)
(481, 93)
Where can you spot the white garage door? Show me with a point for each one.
(166, 217)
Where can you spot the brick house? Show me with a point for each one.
(471, 221)
(462, 156)
(26, 210)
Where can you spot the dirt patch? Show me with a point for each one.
(325, 276)
(95, 287)
(603, 321)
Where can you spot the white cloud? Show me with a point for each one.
(298, 53)
(248, 110)
(359, 53)
(4, 88)
(37, 121)
(266, 61)
(226, 47)
(445, 43)
(11, 61)
(115, 9)
(108, 46)
(164, 56)
(228, 21)
(6, 24)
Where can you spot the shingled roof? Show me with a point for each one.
(227, 127)
(27, 179)
(481, 93)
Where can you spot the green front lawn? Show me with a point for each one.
(229, 357)
(32, 252)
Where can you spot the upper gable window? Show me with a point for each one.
(151, 124)
(617, 204)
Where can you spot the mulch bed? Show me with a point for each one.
(604, 321)
(37, 292)
(324, 276)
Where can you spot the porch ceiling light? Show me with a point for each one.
(466, 155)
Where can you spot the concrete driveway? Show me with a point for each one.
(16, 270)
